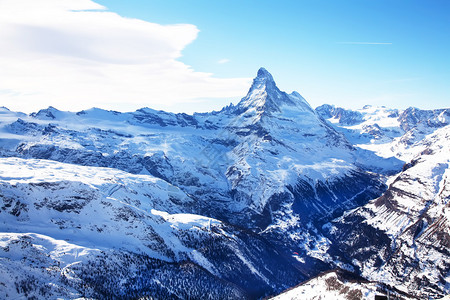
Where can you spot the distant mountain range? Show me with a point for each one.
(241, 203)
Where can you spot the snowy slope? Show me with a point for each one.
(283, 143)
(233, 202)
(338, 284)
(59, 220)
(385, 131)
(237, 164)
(270, 164)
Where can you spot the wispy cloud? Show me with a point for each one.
(364, 43)
(74, 54)
(223, 61)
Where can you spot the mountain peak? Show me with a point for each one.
(264, 80)
(264, 74)
(264, 96)
(47, 113)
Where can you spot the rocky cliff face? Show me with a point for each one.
(402, 238)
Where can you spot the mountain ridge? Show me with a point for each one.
(244, 197)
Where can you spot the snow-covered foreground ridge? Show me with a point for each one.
(240, 203)
(59, 219)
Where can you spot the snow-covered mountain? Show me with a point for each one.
(242, 203)
(387, 132)
(403, 237)
(63, 225)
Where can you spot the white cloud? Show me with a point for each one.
(223, 61)
(74, 54)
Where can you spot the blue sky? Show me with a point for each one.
(307, 45)
(347, 53)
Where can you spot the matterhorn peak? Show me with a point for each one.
(262, 93)
(265, 97)
(263, 80)
(263, 74)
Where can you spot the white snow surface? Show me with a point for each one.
(69, 206)
(111, 209)
(329, 287)
(257, 148)
(391, 132)
(415, 216)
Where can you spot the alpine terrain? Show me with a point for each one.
(241, 203)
